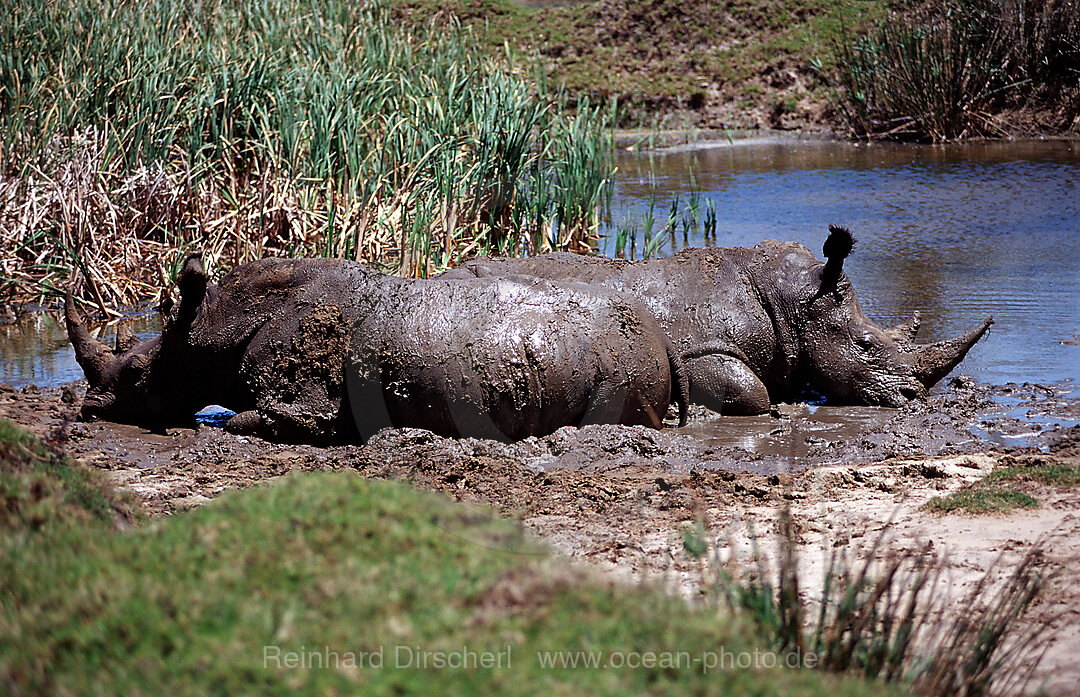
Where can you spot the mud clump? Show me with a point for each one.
(600, 467)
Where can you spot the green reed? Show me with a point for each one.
(133, 132)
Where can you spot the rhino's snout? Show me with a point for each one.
(94, 407)
(892, 391)
(913, 392)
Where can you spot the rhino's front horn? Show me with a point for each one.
(934, 362)
(906, 331)
(93, 355)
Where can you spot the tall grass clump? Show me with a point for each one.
(888, 616)
(131, 133)
(950, 69)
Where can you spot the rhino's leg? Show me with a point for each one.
(726, 385)
(246, 423)
(261, 424)
(608, 403)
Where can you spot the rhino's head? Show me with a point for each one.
(137, 381)
(852, 360)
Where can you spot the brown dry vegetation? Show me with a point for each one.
(131, 135)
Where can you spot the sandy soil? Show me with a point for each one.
(620, 497)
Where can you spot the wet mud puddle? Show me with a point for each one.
(1023, 415)
(960, 418)
(792, 431)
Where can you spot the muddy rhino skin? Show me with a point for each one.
(758, 325)
(317, 349)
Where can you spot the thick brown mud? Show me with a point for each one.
(620, 497)
(738, 453)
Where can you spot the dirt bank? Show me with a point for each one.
(689, 64)
(620, 497)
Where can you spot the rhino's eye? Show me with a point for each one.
(866, 343)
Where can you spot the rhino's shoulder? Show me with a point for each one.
(573, 259)
(276, 275)
(762, 252)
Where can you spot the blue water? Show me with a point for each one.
(35, 350)
(957, 232)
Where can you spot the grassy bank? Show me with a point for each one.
(1007, 488)
(676, 63)
(905, 69)
(39, 487)
(131, 134)
(216, 600)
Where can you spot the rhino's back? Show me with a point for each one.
(523, 357)
(711, 300)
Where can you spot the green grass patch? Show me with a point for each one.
(995, 492)
(1054, 474)
(42, 486)
(326, 566)
(981, 500)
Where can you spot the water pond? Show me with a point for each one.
(957, 232)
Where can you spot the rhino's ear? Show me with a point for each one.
(192, 281)
(836, 248)
(905, 333)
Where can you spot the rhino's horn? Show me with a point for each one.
(125, 339)
(192, 279)
(934, 361)
(905, 331)
(93, 356)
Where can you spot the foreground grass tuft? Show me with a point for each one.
(885, 618)
(41, 486)
(1052, 473)
(270, 590)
